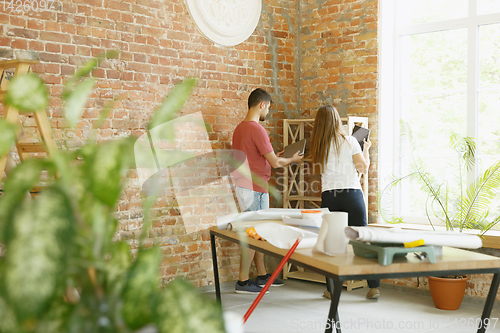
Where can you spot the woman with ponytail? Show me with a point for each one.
(339, 159)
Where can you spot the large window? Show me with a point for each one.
(440, 74)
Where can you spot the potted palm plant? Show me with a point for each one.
(62, 270)
(459, 208)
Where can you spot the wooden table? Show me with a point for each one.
(350, 267)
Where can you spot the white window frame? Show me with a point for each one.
(390, 71)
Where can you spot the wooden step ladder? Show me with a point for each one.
(11, 114)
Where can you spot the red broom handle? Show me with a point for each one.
(271, 280)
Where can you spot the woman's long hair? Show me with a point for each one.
(327, 130)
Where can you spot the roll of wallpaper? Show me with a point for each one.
(284, 236)
(244, 225)
(399, 236)
(263, 214)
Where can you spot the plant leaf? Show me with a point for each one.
(77, 89)
(104, 113)
(87, 69)
(99, 218)
(117, 267)
(385, 198)
(94, 63)
(7, 136)
(147, 206)
(24, 176)
(430, 186)
(16, 187)
(488, 226)
(105, 167)
(475, 204)
(181, 308)
(465, 147)
(56, 318)
(141, 288)
(75, 101)
(27, 93)
(172, 103)
(8, 322)
(36, 254)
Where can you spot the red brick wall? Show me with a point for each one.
(339, 66)
(159, 46)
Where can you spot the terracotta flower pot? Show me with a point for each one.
(446, 293)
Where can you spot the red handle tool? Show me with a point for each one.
(271, 280)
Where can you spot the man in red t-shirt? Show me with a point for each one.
(252, 139)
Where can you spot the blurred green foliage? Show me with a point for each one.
(62, 271)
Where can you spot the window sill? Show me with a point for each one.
(490, 240)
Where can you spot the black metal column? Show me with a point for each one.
(488, 306)
(216, 269)
(333, 315)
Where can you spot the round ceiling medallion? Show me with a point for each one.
(226, 22)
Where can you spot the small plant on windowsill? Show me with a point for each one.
(62, 271)
(459, 208)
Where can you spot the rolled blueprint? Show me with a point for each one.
(263, 214)
(244, 225)
(284, 236)
(399, 236)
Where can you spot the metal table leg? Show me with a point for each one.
(216, 269)
(333, 316)
(488, 306)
